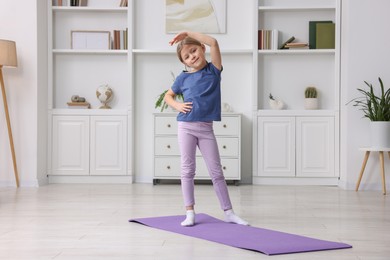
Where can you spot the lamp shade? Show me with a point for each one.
(8, 53)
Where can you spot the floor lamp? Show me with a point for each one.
(8, 58)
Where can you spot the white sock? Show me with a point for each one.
(190, 219)
(230, 216)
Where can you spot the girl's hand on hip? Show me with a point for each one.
(184, 107)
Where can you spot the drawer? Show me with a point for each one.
(228, 146)
(165, 125)
(230, 168)
(167, 167)
(227, 126)
(166, 146)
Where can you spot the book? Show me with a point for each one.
(283, 46)
(83, 2)
(275, 39)
(79, 105)
(123, 3)
(325, 36)
(312, 32)
(265, 39)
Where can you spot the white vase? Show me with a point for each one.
(380, 134)
(311, 103)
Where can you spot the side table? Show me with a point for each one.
(368, 150)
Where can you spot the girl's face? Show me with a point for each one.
(193, 56)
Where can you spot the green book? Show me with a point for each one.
(325, 36)
(312, 32)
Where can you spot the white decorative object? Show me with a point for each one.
(105, 94)
(225, 107)
(275, 104)
(380, 134)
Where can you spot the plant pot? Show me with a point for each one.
(380, 134)
(311, 103)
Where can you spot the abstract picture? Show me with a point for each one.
(206, 16)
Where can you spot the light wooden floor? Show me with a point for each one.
(83, 221)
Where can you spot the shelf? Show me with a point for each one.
(88, 9)
(108, 52)
(227, 51)
(95, 112)
(295, 8)
(304, 51)
(317, 112)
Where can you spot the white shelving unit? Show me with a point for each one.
(295, 146)
(89, 145)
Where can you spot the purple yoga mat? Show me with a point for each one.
(246, 237)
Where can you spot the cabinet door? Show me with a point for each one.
(276, 146)
(108, 145)
(315, 146)
(70, 145)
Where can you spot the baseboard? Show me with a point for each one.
(325, 181)
(91, 179)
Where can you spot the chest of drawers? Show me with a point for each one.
(167, 153)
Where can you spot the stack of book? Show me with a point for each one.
(79, 105)
(120, 40)
(297, 45)
(268, 39)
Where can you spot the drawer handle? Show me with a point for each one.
(224, 168)
(168, 167)
(224, 126)
(169, 125)
(224, 147)
(168, 146)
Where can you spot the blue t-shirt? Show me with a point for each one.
(203, 89)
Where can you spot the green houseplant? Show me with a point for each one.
(376, 107)
(311, 101)
(160, 102)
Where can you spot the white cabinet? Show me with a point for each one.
(108, 145)
(315, 147)
(89, 142)
(296, 147)
(167, 153)
(70, 145)
(89, 145)
(276, 146)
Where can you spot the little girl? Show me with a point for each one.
(200, 86)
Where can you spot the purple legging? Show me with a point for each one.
(201, 134)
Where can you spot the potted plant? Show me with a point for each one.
(160, 102)
(377, 109)
(311, 101)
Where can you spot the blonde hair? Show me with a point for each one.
(186, 41)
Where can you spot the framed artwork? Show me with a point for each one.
(92, 40)
(206, 16)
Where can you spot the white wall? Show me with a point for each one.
(18, 21)
(365, 57)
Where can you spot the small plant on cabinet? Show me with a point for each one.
(311, 101)
(160, 102)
